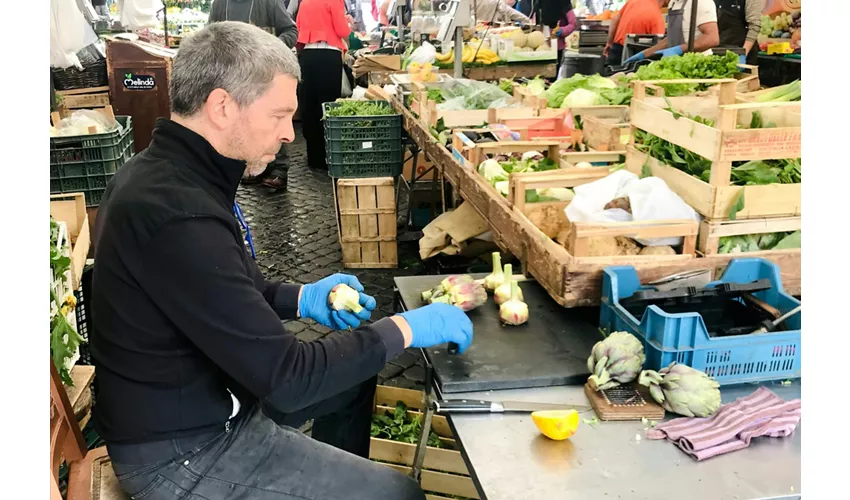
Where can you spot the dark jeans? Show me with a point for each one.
(257, 458)
(321, 82)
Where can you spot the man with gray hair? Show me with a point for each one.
(201, 389)
(274, 17)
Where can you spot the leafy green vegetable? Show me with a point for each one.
(784, 93)
(562, 88)
(360, 108)
(507, 86)
(737, 207)
(64, 340)
(691, 65)
(536, 86)
(760, 242)
(402, 427)
(435, 95)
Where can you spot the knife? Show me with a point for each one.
(479, 406)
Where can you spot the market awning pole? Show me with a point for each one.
(692, 33)
(458, 52)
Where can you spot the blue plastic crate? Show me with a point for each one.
(683, 338)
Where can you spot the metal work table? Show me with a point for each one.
(509, 459)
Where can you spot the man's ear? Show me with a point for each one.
(219, 108)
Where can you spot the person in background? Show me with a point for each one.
(323, 28)
(637, 17)
(270, 16)
(678, 29)
(739, 24)
(559, 16)
(497, 11)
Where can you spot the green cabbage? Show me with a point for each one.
(580, 98)
(536, 86)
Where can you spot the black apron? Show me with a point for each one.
(675, 26)
(732, 25)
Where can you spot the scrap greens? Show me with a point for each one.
(691, 66)
(401, 427)
(760, 242)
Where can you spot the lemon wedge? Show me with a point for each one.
(556, 424)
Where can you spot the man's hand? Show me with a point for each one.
(437, 324)
(313, 303)
(640, 56)
(606, 49)
(350, 20)
(672, 51)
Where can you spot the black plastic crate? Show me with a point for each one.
(363, 146)
(86, 163)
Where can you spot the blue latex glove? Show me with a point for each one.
(742, 59)
(635, 58)
(314, 303)
(437, 324)
(672, 51)
(557, 33)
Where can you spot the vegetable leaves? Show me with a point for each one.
(401, 427)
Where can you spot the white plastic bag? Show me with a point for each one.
(425, 53)
(79, 121)
(139, 14)
(69, 33)
(650, 199)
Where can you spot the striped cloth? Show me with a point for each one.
(762, 413)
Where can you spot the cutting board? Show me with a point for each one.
(550, 349)
(625, 402)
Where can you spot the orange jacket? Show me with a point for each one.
(322, 21)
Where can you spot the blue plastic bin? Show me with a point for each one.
(683, 338)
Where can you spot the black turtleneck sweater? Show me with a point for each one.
(182, 315)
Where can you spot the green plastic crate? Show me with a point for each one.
(86, 163)
(363, 146)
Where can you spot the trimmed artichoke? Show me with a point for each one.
(683, 390)
(616, 360)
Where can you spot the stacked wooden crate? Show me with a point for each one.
(366, 220)
(729, 210)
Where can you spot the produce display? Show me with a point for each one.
(495, 279)
(402, 427)
(616, 360)
(421, 73)
(784, 93)
(497, 170)
(503, 292)
(692, 66)
(64, 339)
(784, 25)
(459, 290)
(683, 390)
(581, 91)
(460, 94)
(471, 52)
(513, 311)
(761, 242)
(359, 108)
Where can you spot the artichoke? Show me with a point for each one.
(616, 360)
(683, 390)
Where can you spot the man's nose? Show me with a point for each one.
(287, 132)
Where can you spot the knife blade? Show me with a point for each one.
(480, 406)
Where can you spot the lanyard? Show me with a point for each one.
(244, 225)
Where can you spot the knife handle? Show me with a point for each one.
(467, 406)
(453, 348)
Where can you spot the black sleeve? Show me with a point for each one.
(282, 297)
(285, 26)
(193, 270)
(216, 12)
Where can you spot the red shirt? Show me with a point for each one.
(639, 17)
(322, 21)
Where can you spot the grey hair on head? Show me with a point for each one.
(236, 57)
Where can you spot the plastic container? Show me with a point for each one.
(86, 163)
(683, 338)
(363, 146)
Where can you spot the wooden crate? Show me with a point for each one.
(607, 133)
(545, 217)
(93, 97)
(711, 231)
(367, 222)
(444, 471)
(721, 144)
(71, 209)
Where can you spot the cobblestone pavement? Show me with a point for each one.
(295, 237)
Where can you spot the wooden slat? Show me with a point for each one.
(349, 224)
(403, 453)
(693, 191)
(711, 231)
(366, 198)
(440, 482)
(86, 101)
(696, 137)
(367, 211)
(90, 90)
(388, 249)
(82, 376)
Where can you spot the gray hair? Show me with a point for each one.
(237, 57)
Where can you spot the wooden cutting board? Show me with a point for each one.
(626, 402)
